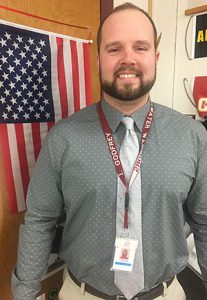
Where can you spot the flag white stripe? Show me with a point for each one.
(29, 146)
(16, 170)
(43, 131)
(54, 80)
(68, 76)
(81, 75)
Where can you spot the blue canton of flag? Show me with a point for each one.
(25, 78)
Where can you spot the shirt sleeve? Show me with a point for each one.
(197, 204)
(44, 206)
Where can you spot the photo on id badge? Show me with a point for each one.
(124, 254)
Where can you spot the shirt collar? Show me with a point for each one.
(114, 116)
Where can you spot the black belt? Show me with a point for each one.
(152, 294)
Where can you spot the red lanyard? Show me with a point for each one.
(115, 155)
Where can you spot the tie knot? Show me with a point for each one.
(128, 122)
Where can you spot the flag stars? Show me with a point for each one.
(17, 77)
(19, 39)
(30, 94)
(20, 108)
(7, 36)
(22, 54)
(15, 116)
(35, 101)
(11, 69)
(23, 70)
(6, 92)
(4, 59)
(17, 61)
(46, 101)
(9, 108)
(34, 56)
(10, 52)
(18, 93)
(31, 108)
(5, 116)
(24, 86)
(47, 115)
(27, 48)
(29, 79)
(38, 49)
(29, 63)
(44, 58)
(2, 100)
(40, 94)
(23, 81)
(25, 101)
(39, 65)
(39, 79)
(31, 41)
(44, 73)
(12, 85)
(37, 115)
(44, 88)
(26, 116)
(34, 71)
(2, 42)
(15, 45)
(42, 43)
(5, 76)
(42, 108)
(13, 100)
(35, 87)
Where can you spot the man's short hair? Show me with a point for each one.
(122, 7)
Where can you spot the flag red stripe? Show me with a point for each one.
(36, 139)
(88, 91)
(76, 91)
(8, 167)
(61, 78)
(22, 154)
(50, 124)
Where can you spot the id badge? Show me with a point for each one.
(124, 254)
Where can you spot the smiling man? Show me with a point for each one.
(127, 59)
(128, 173)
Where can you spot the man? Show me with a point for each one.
(77, 172)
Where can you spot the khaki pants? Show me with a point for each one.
(71, 291)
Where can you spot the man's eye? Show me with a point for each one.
(113, 50)
(141, 49)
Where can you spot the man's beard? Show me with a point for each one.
(127, 92)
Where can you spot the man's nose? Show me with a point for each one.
(128, 57)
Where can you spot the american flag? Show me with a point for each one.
(44, 77)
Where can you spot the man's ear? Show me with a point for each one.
(157, 55)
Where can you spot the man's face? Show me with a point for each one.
(127, 59)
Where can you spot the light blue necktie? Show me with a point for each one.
(130, 283)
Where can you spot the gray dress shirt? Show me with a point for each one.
(75, 172)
